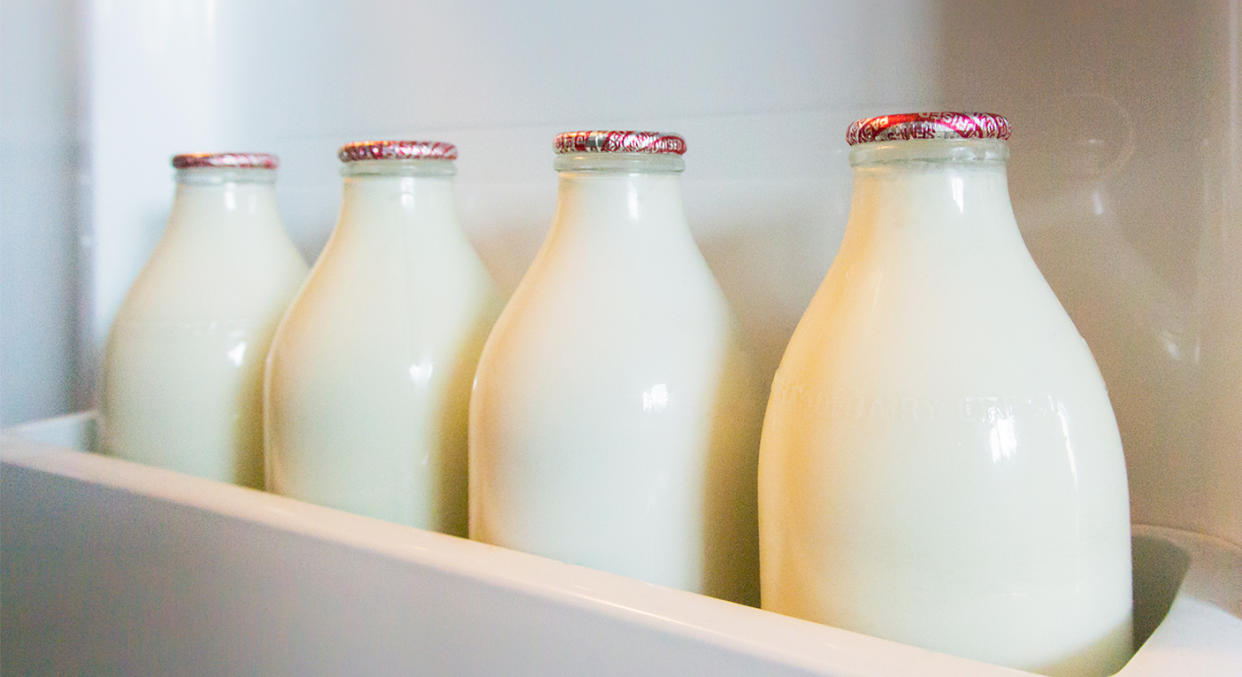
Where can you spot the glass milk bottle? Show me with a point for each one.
(183, 367)
(369, 376)
(615, 417)
(940, 464)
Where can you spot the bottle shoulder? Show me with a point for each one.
(406, 276)
(180, 280)
(608, 334)
(994, 319)
(391, 304)
(632, 296)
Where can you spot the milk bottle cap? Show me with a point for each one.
(358, 151)
(941, 125)
(619, 141)
(225, 160)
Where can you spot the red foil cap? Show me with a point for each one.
(226, 160)
(397, 150)
(619, 141)
(943, 125)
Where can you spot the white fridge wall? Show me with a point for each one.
(1125, 170)
(39, 201)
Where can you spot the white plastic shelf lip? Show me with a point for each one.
(496, 588)
(494, 608)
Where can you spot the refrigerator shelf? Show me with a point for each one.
(111, 567)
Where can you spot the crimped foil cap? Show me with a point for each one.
(226, 160)
(397, 150)
(619, 141)
(943, 125)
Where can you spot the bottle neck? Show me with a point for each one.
(218, 199)
(935, 188)
(405, 193)
(620, 192)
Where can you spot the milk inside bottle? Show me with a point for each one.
(615, 416)
(940, 463)
(183, 366)
(369, 375)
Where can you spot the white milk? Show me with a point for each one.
(615, 416)
(369, 375)
(183, 368)
(940, 463)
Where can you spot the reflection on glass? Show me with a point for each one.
(656, 398)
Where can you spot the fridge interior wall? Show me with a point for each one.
(1125, 170)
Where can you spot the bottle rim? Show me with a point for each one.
(939, 151)
(424, 167)
(203, 176)
(619, 163)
